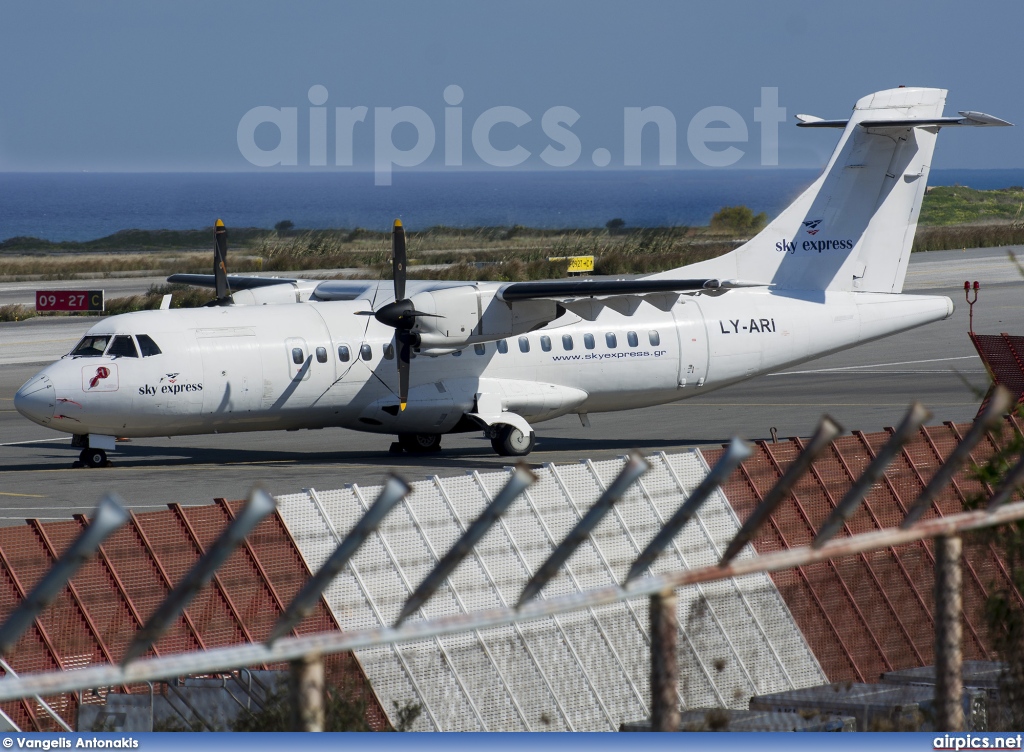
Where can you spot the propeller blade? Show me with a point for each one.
(404, 357)
(220, 258)
(398, 258)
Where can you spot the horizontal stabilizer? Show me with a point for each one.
(809, 121)
(235, 281)
(976, 119)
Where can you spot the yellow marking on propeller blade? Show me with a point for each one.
(220, 223)
(403, 406)
(398, 223)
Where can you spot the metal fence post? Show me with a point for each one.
(306, 680)
(949, 710)
(664, 669)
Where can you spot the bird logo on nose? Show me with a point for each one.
(101, 373)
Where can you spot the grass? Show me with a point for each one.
(959, 205)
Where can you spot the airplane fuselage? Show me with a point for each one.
(315, 365)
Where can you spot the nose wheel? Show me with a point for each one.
(93, 458)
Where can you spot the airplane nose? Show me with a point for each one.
(36, 399)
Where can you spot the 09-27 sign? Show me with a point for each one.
(69, 300)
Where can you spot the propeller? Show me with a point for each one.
(220, 257)
(220, 268)
(400, 314)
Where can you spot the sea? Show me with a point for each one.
(88, 205)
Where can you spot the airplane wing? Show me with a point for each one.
(235, 281)
(567, 290)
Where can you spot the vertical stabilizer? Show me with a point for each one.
(853, 228)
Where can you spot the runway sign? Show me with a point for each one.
(69, 300)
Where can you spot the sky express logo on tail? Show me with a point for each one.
(784, 246)
(811, 225)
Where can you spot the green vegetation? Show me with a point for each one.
(958, 205)
(615, 226)
(134, 240)
(738, 219)
(967, 236)
(16, 312)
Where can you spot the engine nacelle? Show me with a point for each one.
(471, 313)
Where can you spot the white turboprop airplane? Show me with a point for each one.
(433, 358)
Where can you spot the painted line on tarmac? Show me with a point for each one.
(27, 496)
(875, 365)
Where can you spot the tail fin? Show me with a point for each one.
(853, 228)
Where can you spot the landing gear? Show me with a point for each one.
(93, 458)
(420, 443)
(509, 441)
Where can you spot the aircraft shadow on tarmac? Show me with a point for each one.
(482, 457)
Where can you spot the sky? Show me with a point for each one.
(128, 86)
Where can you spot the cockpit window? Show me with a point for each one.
(147, 345)
(91, 346)
(123, 346)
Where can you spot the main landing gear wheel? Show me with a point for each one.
(93, 458)
(420, 443)
(509, 441)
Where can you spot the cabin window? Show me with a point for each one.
(343, 353)
(502, 346)
(364, 351)
(610, 340)
(147, 345)
(654, 337)
(566, 341)
(321, 355)
(632, 339)
(389, 351)
(588, 341)
(298, 357)
(545, 343)
(524, 344)
(123, 346)
(91, 347)
(479, 348)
